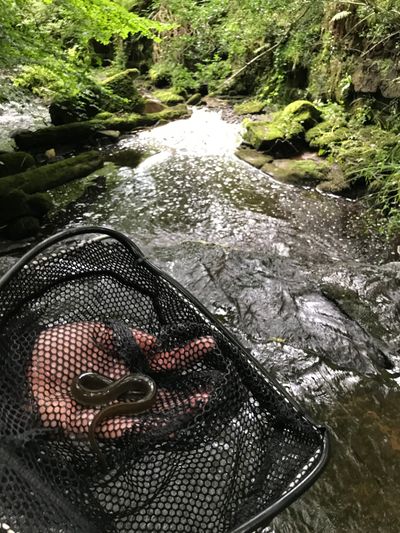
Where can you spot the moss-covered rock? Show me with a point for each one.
(194, 99)
(274, 137)
(249, 107)
(253, 157)
(335, 182)
(298, 172)
(15, 162)
(284, 134)
(17, 204)
(324, 135)
(303, 112)
(52, 175)
(23, 227)
(122, 86)
(78, 133)
(126, 158)
(168, 97)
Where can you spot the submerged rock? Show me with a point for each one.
(15, 162)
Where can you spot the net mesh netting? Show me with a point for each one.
(219, 445)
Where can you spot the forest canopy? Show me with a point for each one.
(51, 40)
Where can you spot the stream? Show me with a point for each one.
(303, 279)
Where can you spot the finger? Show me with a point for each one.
(182, 357)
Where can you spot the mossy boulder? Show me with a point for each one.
(249, 107)
(17, 203)
(126, 158)
(298, 172)
(253, 157)
(78, 133)
(275, 138)
(303, 112)
(15, 162)
(124, 94)
(44, 178)
(335, 182)
(168, 97)
(284, 133)
(324, 135)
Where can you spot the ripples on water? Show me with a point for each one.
(303, 282)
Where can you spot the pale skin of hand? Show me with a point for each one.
(62, 352)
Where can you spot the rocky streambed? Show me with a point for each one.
(300, 277)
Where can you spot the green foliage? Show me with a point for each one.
(49, 41)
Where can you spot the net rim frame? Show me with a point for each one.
(263, 518)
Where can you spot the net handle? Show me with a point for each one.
(67, 234)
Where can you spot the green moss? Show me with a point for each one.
(284, 133)
(49, 176)
(83, 132)
(297, 172)
(323, 136)
(253, 157)
(303, 112)
(249, 107)
(273, 136)
(15, 162)
(168, 96)
(194, 99)
(104, 115)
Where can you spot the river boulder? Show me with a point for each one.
(298, 171)
(284, 133)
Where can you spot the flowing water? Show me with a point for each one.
(300, 278)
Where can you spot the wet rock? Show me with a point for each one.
(52, 175)
(298, 172)
(50, 153)
(23, 227)
(335, 182)
(79, 133)
(194, 99)
(249, 107)
(15, 162)
(152, 106)
(126, 158)
(110, 134)
(253, 157)
(168, 97)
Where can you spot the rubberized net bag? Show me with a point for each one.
(126, 407)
